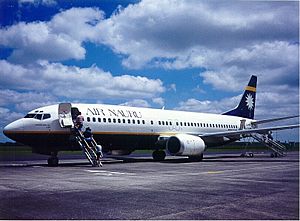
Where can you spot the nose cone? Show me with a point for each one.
(13, 128)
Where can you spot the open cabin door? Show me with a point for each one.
(64, 115)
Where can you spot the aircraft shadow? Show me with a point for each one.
(122, 160)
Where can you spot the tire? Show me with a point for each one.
(158, 155)
(53, 162)
(196, 158)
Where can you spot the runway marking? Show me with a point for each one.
(248, 180)
(107, 173)
(213, 172)
(250, 169)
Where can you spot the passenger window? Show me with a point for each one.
(167, 123)
(171, 123)
(151, 122)
(114, 120)
(104, 120)
(133, 121)
(163, 123)
(143, 122)
(109, 120)
(138, 121)
(124, 121)
(158, 122)
(129, 121)
(99, 120)
(46, 116)
(94, 119)
(180, 123)
(88, 119)
(119, 121)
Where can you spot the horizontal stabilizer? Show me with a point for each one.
(273, 119)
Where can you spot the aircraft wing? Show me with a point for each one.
(248, 131)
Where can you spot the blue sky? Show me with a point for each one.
(184, 55)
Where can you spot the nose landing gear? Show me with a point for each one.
(53, 160)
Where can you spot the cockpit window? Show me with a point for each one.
(39, 116)
(30, 116)
(46, 116)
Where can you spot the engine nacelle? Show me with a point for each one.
(185, 145)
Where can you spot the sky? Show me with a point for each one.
(188, 55)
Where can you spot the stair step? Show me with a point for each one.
(88, 150)
(271, 144)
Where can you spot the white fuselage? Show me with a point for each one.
(118, 127)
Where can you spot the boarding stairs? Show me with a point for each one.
(88, 148)
(276, 147)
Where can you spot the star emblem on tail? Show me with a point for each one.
(249, 101)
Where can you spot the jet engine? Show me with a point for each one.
(185, 145)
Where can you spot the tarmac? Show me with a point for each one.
(219, 187)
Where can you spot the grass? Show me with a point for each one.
(6, 150)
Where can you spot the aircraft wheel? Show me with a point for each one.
(196, 158)
(158, 155)
(272, 155)
(53, 162)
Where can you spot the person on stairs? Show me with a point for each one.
(79, 121)
(89, 139)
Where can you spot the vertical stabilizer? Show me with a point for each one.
(247, 104)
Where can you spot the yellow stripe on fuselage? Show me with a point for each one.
(249, 88)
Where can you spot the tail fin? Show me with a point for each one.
(247, 104)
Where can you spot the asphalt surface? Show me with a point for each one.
(139, 188)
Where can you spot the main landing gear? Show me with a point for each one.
(159, 155)
(53, 160)
(196, 158)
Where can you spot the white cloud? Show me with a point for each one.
(136, 103)
(207, 106)
(77, 83)
(274, 63)
(180, 34)
(48, 3)
(159, 100)
(172, 87)
(25, 101)
(56, 40)
(7, 116)
(284, 102)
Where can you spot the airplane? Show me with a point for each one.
(122, 130)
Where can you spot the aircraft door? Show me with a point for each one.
(64, 115)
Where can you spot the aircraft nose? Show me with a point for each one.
(11, 129)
